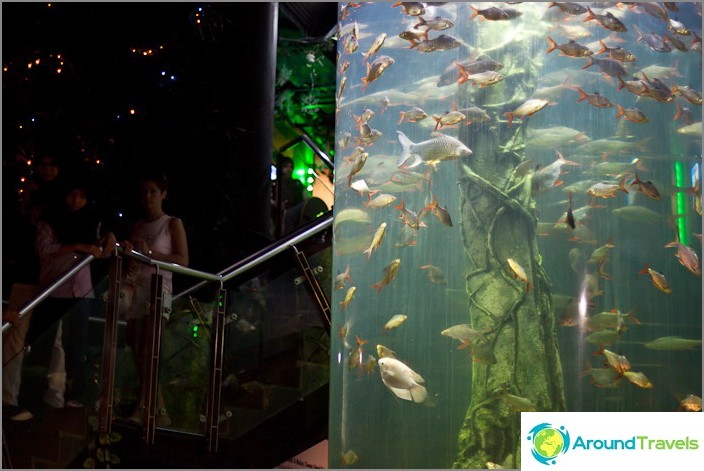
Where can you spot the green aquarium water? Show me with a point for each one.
(517, 223)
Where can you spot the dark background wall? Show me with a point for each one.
(202, 99)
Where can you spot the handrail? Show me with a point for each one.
(313, 146)
(172, 267)
(224, 275)
(267, 252)
(50, 289)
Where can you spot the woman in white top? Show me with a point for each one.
(160, 237)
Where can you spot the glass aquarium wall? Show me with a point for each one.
(517, 223)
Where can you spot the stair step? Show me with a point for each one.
(51, 440)
(41, 463)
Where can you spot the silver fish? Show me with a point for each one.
(432, 151)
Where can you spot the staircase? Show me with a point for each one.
(274, 390)
(52, 440)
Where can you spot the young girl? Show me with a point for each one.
(160, 237)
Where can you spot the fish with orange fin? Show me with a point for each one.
(375, 69)
(695, 192)
(411, 8)
(686, 255)
(412, 115)
(414, 36)
(608, 21)
(607, 190)
(613, 319)
(361, 187)
(639, 379)
(357, 165)
(683, 114)
(658, 279)
(376, 240)
(342, 279)
(570, 49)
(449, 118)
(528, 108)
(595, 99)
(437, 24)
(691, 403)
(365, 117)
(409, 217)
(345, 10)
(495, 13)
(646, 187)
(438, 211)
(689, 94)
(618, 362)
(374, 48)
(569, 8)
(345, 303)
(390, 272)
(637, 87)
(520, 273)
(610, 67)
(380, 201)
(480, 79)
(464, 333)
(357, 353)
(617, 53)
(633, 115)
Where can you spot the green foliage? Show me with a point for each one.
(185, 362)
(305, 88)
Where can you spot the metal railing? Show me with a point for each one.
(224, 275)
(319, 225)
(110, 339)
(46, 292)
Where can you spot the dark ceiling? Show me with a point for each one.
(314, 19)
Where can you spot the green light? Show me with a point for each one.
(195, 328)
(300, 172)
(681, 201)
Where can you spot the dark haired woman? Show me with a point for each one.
(160, 237)
(63, 235)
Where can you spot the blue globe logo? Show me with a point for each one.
(548, 442)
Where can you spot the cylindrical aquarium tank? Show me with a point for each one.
(517, 223)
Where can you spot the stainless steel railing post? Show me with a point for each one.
(107, 369)
(156, 308)
(217, 353)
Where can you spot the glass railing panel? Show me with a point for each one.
(276, 353)
(276, 349)
(321, 264)
(184, 363)
(37, 379)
